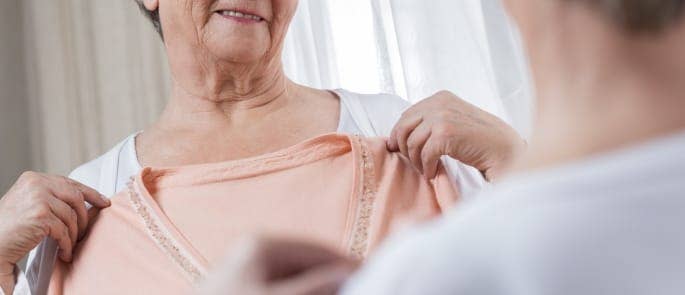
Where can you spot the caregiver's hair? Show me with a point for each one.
(640, 16)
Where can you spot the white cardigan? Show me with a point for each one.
(367, 115)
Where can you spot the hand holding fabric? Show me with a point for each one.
(444, 124)
(39, 206)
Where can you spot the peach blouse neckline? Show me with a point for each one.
(310, 150)
(162, 229)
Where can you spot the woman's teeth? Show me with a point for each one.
(240, 15)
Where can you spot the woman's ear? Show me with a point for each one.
(151, 5)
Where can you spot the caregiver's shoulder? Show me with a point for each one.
(559, 240)
(583, 239)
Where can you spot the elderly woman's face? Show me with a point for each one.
(241, 31)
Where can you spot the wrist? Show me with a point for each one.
(509, 153)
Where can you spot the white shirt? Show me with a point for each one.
(367, 115)
(611, 224)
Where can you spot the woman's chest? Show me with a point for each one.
(309, 202)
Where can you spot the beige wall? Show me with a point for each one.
(15, 154)
(76, 77)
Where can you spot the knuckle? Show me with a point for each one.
(402, 128)
(443, 114)
(73, 198)
(41, 212)
(412, 142)
(445, 94)
(44, 227)
(29, 178)
(33, 195)
(442, 131)
(406, 113)
(27, 174)
(428, 153)
(413, 147)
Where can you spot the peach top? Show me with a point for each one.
(163, 234)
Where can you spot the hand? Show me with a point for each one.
(270, 267)
(39, 206)
(444, 124)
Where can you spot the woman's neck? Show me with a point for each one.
(227, 103)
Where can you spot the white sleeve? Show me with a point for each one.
(22, 286)
(469, 180)
(39, 266)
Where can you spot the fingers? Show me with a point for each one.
(67, 215)
(285, 258)
(75, 194)
(274, 266)
(416, 143)
(430, 157)
(64, 192)
(90, 195)
(59, 231)
(399, 135)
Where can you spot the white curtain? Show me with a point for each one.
(96, 71)
(413, 49)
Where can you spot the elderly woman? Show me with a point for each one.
(231, 100)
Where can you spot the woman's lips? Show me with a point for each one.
(239, 16)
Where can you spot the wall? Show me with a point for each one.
(96, 72)
(14, 123)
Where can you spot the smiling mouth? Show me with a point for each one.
(242, 16)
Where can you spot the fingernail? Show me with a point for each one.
(104, 198)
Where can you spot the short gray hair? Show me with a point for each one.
(640, 16)
(153, 16)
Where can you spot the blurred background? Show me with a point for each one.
(77, 76)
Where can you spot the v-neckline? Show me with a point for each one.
(185, 255)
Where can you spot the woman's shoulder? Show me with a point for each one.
(382, 110)
(93, 172)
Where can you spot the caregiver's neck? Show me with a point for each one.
(600, 89)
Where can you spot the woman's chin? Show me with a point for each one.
(240, 54)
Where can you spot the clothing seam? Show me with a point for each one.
(366, 200)
(164, 241)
